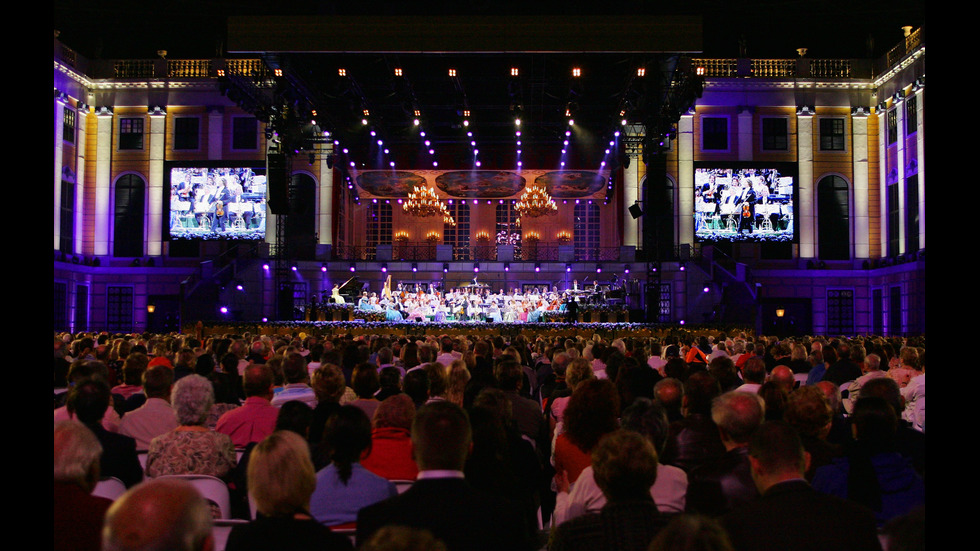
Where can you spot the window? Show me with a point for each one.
(81, 308)
(892, 123)
(130, 200)
(68, 126)
(911, 119)
(378, 227)
(60, 306)
(459, 235)
(912, 213)
(775, 134)
(833, 219)
(186, 131)
(893, 219)
(895, 310)
(131, 133)
(586, 228)
(832, 134)
(67, 223)
(840, 312)
(244, 133)
(119, 309)
(877, 312)
(714, 132)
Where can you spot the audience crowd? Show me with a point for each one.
(721, 442)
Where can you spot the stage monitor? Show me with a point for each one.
(745, 203)
(215, 201)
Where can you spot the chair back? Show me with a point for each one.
(213, 489)
(109, 488)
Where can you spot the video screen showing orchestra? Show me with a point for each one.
(226, 203)
(744, 204)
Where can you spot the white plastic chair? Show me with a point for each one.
(109, 488)
(213, 489)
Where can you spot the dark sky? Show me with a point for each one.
(770, 28)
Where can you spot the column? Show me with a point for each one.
(81, 118)
(325, 200)
(215, 132)
(883, 182)
(685, 178)
(155, 196)
(899, 107)
(103, 182)
(859, 189)
(804, 152)
(920, 139)
(59, 117)
(745, 141)
(630, 195)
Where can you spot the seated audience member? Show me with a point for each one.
(625, 466)
(915, 398)
(870, 369)
(457, 375)
(191, 448)
(908, 441)
(774, 397)
(441, 500)
(256, 418)
(281, 481)
(157, 515)
(669, 393)
(694, 440)
(329, 386)
(724, 484)
(344, 486)
(808, 411)
(391, 443)
(669, 491)
(155, 416)
(87, 402)
(789, 514)
(133, 368)
(84, 369)
(527, 413)
(593, 411)
(872, 473)
(366, 383)
(754, 374)
(391, 382)
(78, 515)
(848, 367)
(297, 382)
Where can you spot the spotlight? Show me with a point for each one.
(240, 287)
(265, 267)
(353, 268)
(626, 269)
(706, 289)
(598, 268)
(415, 267)
(537, 267)
(506, 266)
(476, 267)
(224, 309)
(384, 268)
(568, 267)
(323, 268)
(294, 268)
(445, 268)
(265, 320)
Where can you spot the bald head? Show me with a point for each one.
(158, 515)
(783, 376)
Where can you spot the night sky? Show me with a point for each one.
(772, 28)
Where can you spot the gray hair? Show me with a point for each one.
(192, 398)
(76, 449)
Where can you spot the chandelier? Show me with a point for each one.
(535, 201)
(423, 202)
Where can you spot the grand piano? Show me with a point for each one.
(351, 290)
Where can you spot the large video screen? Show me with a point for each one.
(208, 203)
(754, 204)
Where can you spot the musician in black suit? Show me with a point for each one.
(441, 500)
(746, 213)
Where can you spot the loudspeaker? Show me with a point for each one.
(278, 184)
(635, 211)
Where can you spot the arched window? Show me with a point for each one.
(833, 219)
(586, 230)
(128, 214)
